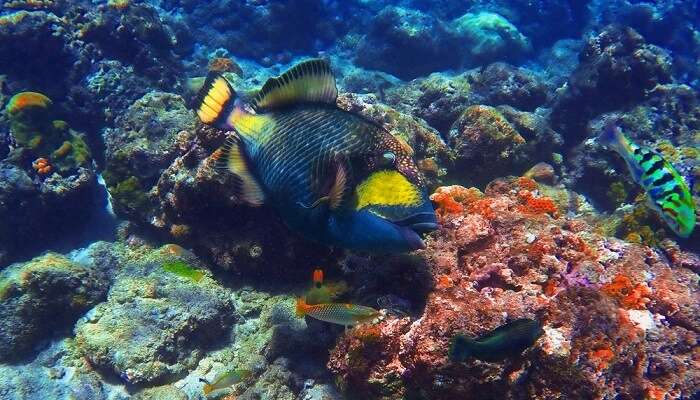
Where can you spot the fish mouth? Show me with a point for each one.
(415, 226)
(422, 222)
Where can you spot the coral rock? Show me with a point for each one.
(617, 319)
(42, 296)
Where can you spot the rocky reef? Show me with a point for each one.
(505, 254)
(130, 267)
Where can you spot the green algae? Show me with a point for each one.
(129, 194)
(184, 270)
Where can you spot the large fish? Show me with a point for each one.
(333, 176)
(668, 193)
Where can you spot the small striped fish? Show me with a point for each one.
(668, 193)
(337, 313)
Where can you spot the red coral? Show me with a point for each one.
(493, 263)
(629, 295)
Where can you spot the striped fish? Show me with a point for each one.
(667, 191)
(332, 175)
(337, 313)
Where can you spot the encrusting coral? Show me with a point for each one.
(604, 304)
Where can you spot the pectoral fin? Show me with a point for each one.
(337, 190)
(235, 161)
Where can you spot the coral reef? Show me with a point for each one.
(604, 303)
(172, 309)
(617, 68)
(488, 142)
(44, 296)
(490, 37)
(408, 43)
(502, 84)
(97, 142)
(141, 146)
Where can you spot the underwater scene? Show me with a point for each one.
(349, 199)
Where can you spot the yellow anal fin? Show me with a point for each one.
(236, 162)
(213, 103)
(310, 81)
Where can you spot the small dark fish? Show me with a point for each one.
(506, 341)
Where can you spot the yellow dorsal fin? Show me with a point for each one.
(310, 81)
(234, 159)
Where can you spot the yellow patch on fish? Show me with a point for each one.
(387, 188)
(250, 125)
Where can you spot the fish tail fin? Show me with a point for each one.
(215, 101)
(208, 388)
(613, 138)
(301, 307)
(460, 347)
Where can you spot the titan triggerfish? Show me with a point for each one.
(334, 176)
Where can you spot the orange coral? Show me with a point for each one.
(536, 205)
(445, 205)
(42, 166)
(224, 64)
(654, 393)
(601, 357)
(24, 100)
(629, 295)
(179, 231)
(526, 183)
(550, 288)
(444, 282)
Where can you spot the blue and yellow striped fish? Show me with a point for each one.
(667, 192)
(333, 176)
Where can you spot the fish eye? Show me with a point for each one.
(389, 157)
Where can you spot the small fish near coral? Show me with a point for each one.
(323, 291)
(504, 342)
(334, 176)
(667, 191)
(345, 314)
(225, 380)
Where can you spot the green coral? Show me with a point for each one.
(35, 130)
(129, 194)
(617, 193)
(184, 270)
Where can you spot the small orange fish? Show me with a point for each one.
(336, 313)
(318, 278)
